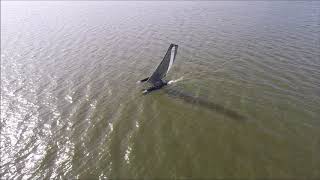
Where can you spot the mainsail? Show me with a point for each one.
(164, 66)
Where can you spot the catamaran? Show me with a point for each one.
(156, 79)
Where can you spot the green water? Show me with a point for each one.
(248, 104)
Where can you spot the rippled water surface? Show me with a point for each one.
(248, 104)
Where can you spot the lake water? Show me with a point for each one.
(248, 104)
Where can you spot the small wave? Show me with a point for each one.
(127, 155)
(68, 98)
(111, 126)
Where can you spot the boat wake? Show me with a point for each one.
(174, 81)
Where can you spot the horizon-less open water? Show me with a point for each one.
(248, 105)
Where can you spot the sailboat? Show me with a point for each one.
(156, 79)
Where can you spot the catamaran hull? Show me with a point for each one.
(146, 91)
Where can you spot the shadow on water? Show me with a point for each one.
(200, 101)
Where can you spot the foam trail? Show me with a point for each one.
(174, 81)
